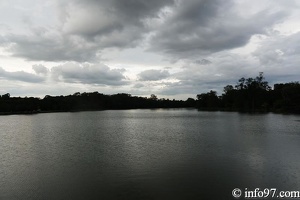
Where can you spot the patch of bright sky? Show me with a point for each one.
(292, 27)
(136, 60)
(12, 64)
(247, 8)
(27, 13)
(252, 45)
(131, 57)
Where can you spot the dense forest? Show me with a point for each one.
(248, 95)
(84, 102)
(253, 95)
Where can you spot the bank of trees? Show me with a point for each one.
(17, 104)
(253, 95)
(86, 101)
(248, 95)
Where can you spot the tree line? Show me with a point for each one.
(86, 101)
(248, 95)
(253, 95)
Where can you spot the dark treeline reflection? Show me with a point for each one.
(248, 95)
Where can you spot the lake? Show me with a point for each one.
(147, 154)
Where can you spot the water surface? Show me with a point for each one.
(146, 154)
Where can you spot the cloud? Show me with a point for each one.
(98, 74)
(85, 28)
(40, 69)
(203, 62)
(279, 49)
(107, 17)
(138, 85)
(118, 24)
(279, 57)
(203, 27)
(153, 75)
(20, 76)
(213, 73)
(46, 45)
(179, 29)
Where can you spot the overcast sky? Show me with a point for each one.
(171, 48)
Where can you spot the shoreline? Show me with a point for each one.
(191, 108)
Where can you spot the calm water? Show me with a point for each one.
(146, 154)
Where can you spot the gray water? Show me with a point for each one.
(146, 154)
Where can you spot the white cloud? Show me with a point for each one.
(98, 74)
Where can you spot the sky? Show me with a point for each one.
(170, 48)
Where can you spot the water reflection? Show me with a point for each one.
(146, 154)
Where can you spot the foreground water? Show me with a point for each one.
(146, 154)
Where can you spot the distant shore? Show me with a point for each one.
(193, 108)
(251, 95)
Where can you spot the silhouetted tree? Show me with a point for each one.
(229, 98)
(208, 101)
(286, 97)
(5, 96)
(251, 94)
(153, 97)
(190, 102)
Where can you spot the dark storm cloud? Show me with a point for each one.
(153, 75)
(20, 76)
(140, 8)
(182, 28)
(112, 23)
(86, 28)
(209, 26)
(88, 74)
(96, 20)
